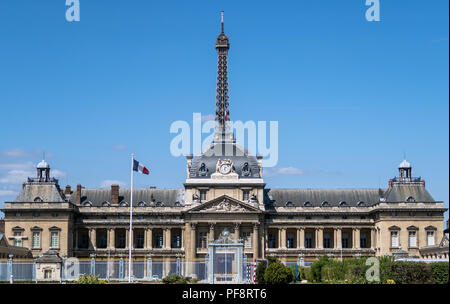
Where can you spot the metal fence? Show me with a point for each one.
(148, 270)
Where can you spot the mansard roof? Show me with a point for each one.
(316, 197)
(47, 192)
(400, 192)
(168, 197)
(224, 150)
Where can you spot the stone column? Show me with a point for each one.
(280, 242)
(182, 237)
(127, 238)
(236, 231)
(255, 243)
(283, 237)
(338, 243)
(149, 238)
(373, 243)
(301, 237)
(92, 239)
(168, 238)
(193, 244)
(211, 232)
(320, 238)
(111, 238)
(357, 238)
(76, 239)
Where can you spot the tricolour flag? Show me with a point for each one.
(138, 167)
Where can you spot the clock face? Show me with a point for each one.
(224, 169)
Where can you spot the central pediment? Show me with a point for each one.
(224, 204)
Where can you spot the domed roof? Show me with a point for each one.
(404, 164)
(245, 165)
(43, 165)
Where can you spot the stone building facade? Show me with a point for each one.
(224, 189)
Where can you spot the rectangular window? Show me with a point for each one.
(326, 240)
(308, 240)
(203, 195)
(430, 238)
(36, 241)
(139, 239)
(363, 240)
(272, 240)
(158, 242)
(247, 239)
(54, 239)
(290, 240)
(202, 239)
(245, 195)
(18, 239)
(345, 242)
(412, 239)
(394, 239)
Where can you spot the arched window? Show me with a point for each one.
(325, 204)
(289, 204)
(123, 204)
(307, 204)
(159, 204)
(87, 204)
(38, 199)
(361, 204)
(343, 204)
(142, 204)
(410, 199)
(106, 204)
(177, 204)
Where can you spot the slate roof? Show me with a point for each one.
(239, 156)
(316, 197)
(151, 196)
(402, 191)
(48, 192)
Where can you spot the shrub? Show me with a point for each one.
(308, 274)
(260, 270)
(176, 279)
(411, 273)
(277, 273)
(90, 279)
(316, 268)
(440, 272)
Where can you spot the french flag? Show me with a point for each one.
(138, 167)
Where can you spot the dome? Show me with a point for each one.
(404, 164)
(43, 165)
(245, 165)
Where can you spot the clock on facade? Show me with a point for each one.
(225, 169)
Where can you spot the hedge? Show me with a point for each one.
(440, 272)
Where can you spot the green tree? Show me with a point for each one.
(277, 273)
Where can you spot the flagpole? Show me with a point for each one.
(131, 221)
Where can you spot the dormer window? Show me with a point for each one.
(307, 204)
(177, 204)
(123, 204)
(87, 204)
(142, 204)
(343, 204)
(289, 204)
(361, 204)
(38, 200)
(325, 204)
(159, 204)
(410, 199)
(106, 204)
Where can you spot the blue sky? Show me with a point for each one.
(351, 96)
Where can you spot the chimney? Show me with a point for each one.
(23, 185)
(78, 201)
(390, 184)
(423, 182)
(114, 194)
(68, 190)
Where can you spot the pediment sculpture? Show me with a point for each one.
(225, 206)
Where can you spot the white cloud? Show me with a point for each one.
(107, 183)
(270, 172)
(15, 176)
(57, 173)
(17, 166)
(119, 147)
(15, 153)
(7, 193)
